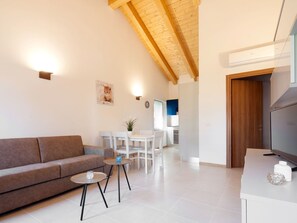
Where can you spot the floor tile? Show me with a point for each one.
(18, 216)
(200, 212)
(224, 216)
(179, 192)
(172, 218)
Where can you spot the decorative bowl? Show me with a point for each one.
(90, 175)
(276, 178)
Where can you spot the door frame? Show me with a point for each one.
(229, 79)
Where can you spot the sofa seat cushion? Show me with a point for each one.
(74, 165)
(19, 177)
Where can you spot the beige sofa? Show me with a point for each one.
(32, 169)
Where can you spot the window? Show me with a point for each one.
(158, 114)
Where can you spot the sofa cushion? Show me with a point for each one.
(60, 147)
(18, 152)
(74, 165)
(19, 177)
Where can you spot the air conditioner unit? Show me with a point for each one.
(255, 55)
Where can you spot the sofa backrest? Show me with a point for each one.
(60, 147)
(18, 152)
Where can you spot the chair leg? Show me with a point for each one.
(128, 157)
(138, 161)
(108, 178)
(126, 177)
(82, 195)
(84, 201)
(161, 157)
(153, 163)
(102, 195)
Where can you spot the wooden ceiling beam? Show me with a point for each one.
(196, 3)
(117, 3)
(177, 37)
(137, 22)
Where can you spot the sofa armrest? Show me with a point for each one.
(106, 153)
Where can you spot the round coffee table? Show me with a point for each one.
(82, 179)
(112, 163)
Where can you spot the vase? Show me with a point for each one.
(90, 175)
(119, 159)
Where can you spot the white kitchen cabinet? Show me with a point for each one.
(283, 79)
(170, 135)
(262, 201)
(284, 76)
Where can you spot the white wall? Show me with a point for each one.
(86, 41)
(173, 91)
(226, 26)
(188, 121)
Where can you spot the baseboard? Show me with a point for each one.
(213, 164)
(194, 160)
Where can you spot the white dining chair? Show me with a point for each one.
(124, 147)
(107, 140)
(156, 149)
(146, 132)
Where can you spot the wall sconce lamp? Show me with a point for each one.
(45, 75)
(137, 91)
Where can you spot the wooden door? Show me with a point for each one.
(247, 118)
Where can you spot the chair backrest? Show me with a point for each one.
(158, 142)
(146, 132)
(120, 134)
(123, 136)
(106, 137)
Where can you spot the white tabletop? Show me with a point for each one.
(82, 178)
(141, 137)
(254, 183)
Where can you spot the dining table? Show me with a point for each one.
(146, 139)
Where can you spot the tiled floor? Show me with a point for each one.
(178, 193)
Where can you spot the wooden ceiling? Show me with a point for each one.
(169, 30)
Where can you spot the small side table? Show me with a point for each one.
(82, 179)
(112, 163)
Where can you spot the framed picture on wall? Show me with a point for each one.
(104, 93)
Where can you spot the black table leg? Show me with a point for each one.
(82, 195)
(102, 195)
(126, 176)
(108, 178)
(84, 200)
(119, 187)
